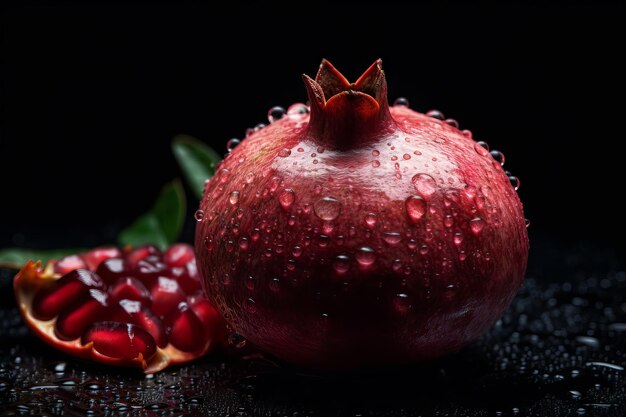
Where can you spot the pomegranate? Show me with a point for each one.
(139, 308)
(352, 234)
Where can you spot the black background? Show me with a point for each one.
(92, 95)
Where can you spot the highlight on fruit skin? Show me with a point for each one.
(133, 307)
(349, 233)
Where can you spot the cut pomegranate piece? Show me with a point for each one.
(115, 314)
(120, 340)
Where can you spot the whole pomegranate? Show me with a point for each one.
(352, 233)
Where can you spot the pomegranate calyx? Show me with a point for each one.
(343, 114)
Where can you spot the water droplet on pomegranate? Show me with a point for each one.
(250, 306)
(452, 122)
(527, 222)
(401, 101)
(376, 163)
(237, 340)
(415, 207)
(365, 256)
(243, 243)
(424, 184)
(370, 220)
(467, 133)
(283, 153)
(424, 249)
(476, 225)
(514, 182)
(274, 284)
(481, 150)
(232, 144)
(286, 198)
(458, 238)
(234, 197)
(435, 114)
(327, 208)
(199, 215)
(297, 111)
(259, 127)
(341, 264)
(223, 175)
(406, 156)
(402, 303)
(392, 238)
(296, 251)
(497, 156)
(275, 113)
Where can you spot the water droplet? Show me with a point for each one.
(274, 284)
(401, 101)
(480, 149)
(223, 175)
(452, 123)
(514, 182)
(406, 156)
(283, 153)
(327, 208)
(458, 238)
(402, 303)
(376, 163)
(591, 342)
(286, 198)
(424, 184)
(435, 114)
(250, 306)
(476, 225)
(392, 238)
(249, 177)
(497, 156)
(370, 220)
(234, 197)
(467, 133)
(365, 256)
(275, 113)
(296, 251)
(527, 222)
(341, 264)
(232, 144)
(418, 153)
(297, 111)
(424, 249)
(259, 127)
(375, 152)
(415, 207)
(581, 411)
(236, 340)
(199, 215)
(576, 395)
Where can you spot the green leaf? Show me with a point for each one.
(162, 224)
(15, 258)
(196, 159)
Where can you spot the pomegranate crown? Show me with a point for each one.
(345, 114)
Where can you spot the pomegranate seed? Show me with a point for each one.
(50, 301)
(166, 295)
(187, 277)
(142, 252)
(120, 340)
(96, 256)
(111, 270)
(185, 329)
(136, 313)
(130, 288)
(178, 255)
(76, 318)
(68, 264)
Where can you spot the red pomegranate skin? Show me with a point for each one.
(360, 234)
